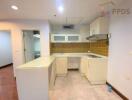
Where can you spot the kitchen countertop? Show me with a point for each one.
(76, 55)
(41, 62)
(45, 62)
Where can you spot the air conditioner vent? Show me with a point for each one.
(68, 26)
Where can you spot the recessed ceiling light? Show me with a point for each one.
(61, 9)
(14, 7)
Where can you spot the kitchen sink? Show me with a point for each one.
(93, 56)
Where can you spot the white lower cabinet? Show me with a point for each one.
(94, 69)
(61, 66)
(97, 71)
(83, 66)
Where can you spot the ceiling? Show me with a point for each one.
(75, 11)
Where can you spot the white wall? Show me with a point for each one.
(5, 48)
(16, 27)
(120, 52)
(58, 29)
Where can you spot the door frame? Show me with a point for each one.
(7, 30)
(23, 43)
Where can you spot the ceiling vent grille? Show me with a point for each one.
(68, 26)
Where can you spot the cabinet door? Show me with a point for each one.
(61, 66)
(104, 28)
(74, 38)
(91, 29)
(97, 71)
(84, 65)
(99, 26)
(53, 75)
(58, 38)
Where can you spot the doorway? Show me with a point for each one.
(5, 48)
(31, 39)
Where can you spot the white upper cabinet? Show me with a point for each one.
(58, 38)
(65, 38)
(78, 34)
(85, 32)
(99, 26)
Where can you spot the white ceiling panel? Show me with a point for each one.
(75, 11)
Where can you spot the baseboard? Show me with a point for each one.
(116, 91)
(6, 65)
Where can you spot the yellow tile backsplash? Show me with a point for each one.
(99, 47)
(69, 47)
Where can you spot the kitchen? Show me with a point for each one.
(74, 49)
(59, 53)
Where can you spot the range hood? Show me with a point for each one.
(97, 37)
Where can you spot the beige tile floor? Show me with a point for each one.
(76, 87)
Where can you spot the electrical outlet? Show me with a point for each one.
(89, 51)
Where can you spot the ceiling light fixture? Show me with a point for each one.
(14, 7)
(61, 9)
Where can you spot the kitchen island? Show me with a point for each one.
(33, 79)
